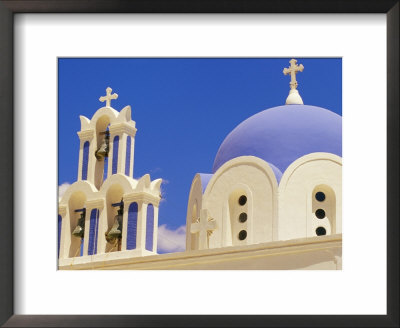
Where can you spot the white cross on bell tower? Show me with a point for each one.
(108, 97)
(204, 226)
(294, 96)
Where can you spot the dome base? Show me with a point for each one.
(294, 98)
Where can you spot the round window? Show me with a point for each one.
(320, 196)
(320, 231)
(242, 235)
(243, 217)
(242, 200)
(320, 213)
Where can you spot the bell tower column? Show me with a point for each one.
(62, 212)
(86, 158)
(155, 225)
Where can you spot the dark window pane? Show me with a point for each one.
(242, 200)
(320, 196)
(243, 217)
(242, 235)
(320, 213)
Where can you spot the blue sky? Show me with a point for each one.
(183, 108)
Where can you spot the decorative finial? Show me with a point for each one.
(294, 96)
(108, 97)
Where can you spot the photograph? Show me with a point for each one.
(215, 163)
(199, 163)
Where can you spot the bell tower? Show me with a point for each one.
(107, 143)
(107, 214)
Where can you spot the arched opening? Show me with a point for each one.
(93, 231)
(128, 155)
(132, 226)
(115, 155)
(59, 225)
(194, 237)
(85, 160)
(76, 203)
(150, 227)
(113, 196)
(101, 147)
(239, 216)
(323, 210)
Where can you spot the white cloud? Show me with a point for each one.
(171, 241)
(62, 189)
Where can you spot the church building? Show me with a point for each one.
(273, 199)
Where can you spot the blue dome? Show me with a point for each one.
(282, 134)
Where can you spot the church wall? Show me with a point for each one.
(316, 172)
(254, 178)
(193, 212)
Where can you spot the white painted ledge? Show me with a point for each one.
(316, 253)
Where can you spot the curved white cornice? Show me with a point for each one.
(124, 115)
(86, 135)
(305, 159)
(95, 203)
(139, 192)
(243, 160)
(83, 186)
(127, 183)
(141, 197)
(114, 117)
(143, 183)
(124, 127)
(85, 123)
(111, 113)
(156, 185)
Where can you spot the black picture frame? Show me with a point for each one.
(10, 7)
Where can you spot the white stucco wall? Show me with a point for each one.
(254, 178)
(193, 211)
(286, 212)
(302, 179)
